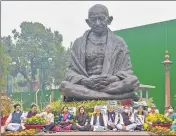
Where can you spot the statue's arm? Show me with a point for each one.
(75, 71)
(76, 78)
(73, 77)
(125, 69)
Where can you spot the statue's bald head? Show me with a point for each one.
(97, 9)
(99, 19)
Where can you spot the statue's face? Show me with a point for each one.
(98, 20)
(98, 23)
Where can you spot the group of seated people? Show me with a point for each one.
(127, 120)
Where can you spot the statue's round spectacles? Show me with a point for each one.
(100, 18)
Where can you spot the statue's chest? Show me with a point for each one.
(94, 58)
(94, 51)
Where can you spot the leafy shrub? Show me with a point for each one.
(89, 105)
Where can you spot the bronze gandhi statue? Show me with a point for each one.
(100, 66)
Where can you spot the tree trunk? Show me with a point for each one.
(33, 73)
(26, 77)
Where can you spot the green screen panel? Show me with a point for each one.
(147, 45)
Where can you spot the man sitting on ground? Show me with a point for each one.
(13, 122)
(127, 120)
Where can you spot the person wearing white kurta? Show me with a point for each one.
(112, 118)
(98, 120)
(127, 121)
(49, 117)
(14, 121)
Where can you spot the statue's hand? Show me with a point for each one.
(87, 82)
(101, 84)
(94, 84)
(104, 82)
(112, 79)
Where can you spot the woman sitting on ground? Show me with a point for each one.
(172, 115)
(64, 121)
(139, 118)
(152, 113)
(82, 120)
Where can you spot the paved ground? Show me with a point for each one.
(2, 129)
(93, 133)
(99, 133)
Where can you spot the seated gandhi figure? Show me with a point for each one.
(100, 66)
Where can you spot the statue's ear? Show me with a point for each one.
(88, 22)
(110, 20)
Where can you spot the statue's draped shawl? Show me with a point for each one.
(116, 61)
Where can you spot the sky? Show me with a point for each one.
(68, 17)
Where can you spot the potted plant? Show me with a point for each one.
(159, 120)
(34, 122)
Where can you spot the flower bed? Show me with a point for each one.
(29, 132)
(158, 130)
